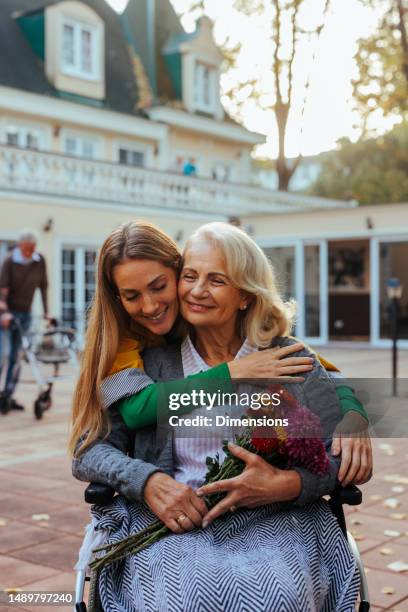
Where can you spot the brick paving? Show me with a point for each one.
(42, 513)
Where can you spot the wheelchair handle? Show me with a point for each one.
(350, 495)
(99, 494)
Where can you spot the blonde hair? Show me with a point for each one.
(249, 270)
(108, 322)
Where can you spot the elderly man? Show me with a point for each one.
(23, 271)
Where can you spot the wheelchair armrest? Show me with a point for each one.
(350, 495)
(99, 494)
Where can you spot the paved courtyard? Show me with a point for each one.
(42, 513)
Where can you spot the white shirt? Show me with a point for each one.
(190, 453)
(19, 258)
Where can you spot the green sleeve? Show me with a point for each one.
(348, 401)
(140, 410)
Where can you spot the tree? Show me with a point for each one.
(287, 37)
(382, 59)
(371, 171)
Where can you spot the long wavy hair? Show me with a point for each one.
(108, 322)
(249, 269)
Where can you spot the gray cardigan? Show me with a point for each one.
(151, 449)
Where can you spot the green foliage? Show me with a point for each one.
(372, 171)
(382, 61)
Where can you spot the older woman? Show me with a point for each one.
(268, 555)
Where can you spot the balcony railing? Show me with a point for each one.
(51, 174)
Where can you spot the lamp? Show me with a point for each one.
(394, 293)
(48, 225)
(394, 289)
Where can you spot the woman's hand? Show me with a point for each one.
(352, 440)
(272, 363)
(174, 503)
(260, 483)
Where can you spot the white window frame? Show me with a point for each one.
(79, 249)
(82, 136)
(199, 102)
(23, 129)
(137, 147)
(76, 70)
(232, 167)
(298, 246)
(375, 291)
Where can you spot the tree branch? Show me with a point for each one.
(276, 61)
(296, 6)
(404, 39)
(319, 30)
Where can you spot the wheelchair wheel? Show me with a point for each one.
(42, 403)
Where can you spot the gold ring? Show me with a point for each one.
(180, 518)
(233, 508)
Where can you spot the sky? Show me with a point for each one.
(328, 114)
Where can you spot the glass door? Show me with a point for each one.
(312, 291)
(283, 262)
(393, 258)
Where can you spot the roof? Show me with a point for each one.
(141, 70)
(173, 45)
(21, 68)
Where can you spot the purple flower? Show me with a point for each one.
(308, 453)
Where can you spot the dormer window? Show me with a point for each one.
(205, 87)
(80, 52)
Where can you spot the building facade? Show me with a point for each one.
(107, 117)
(336, 264)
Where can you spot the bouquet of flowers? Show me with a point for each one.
(297, 445)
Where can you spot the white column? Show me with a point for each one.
(374, 291)
(324, 291)
(80, 292)
(300, 288)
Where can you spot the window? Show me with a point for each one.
(80, 146)
(393, 264)
(222, 172)
(77, 285)
(5, 247)
(25, 137)
(80, 50)
(131, 157)
(205, 87)
(68, 287)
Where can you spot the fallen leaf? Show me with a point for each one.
(3, 522)
(42, 524)
(355, 533)
(391, 533)
(398, 489)
(384, 446)
(396, 478)
(398, 566)
(386, 551)
(359, 537)
(398, 516)
(356, 521)
(391, 502)
(375, 497)
(388, 590)
(40, 517)
(13, 590)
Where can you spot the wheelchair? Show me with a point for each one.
(102, 495)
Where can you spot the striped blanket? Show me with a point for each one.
(273, 558)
